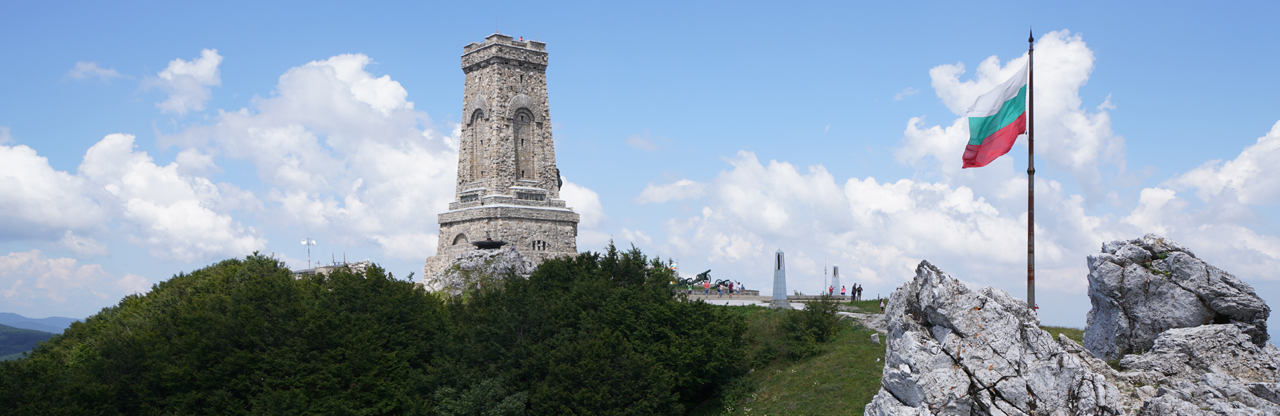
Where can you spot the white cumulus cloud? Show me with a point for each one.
(880, 230)
(586, 203)
(39, 202)
(1220, 222)
(1252, 178)
(905, 93)
(90, 70)
(171, 213)
(1069, 136)
(675, 191)
(343, 154)
(188, 82)
(83, 247)
(41, 286)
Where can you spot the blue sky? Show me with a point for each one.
(150, 139)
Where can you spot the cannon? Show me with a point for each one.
(696, 281)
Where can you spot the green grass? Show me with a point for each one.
(840, 379)
(867, 306)
(1075, 334)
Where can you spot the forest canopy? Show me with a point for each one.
(600, 333)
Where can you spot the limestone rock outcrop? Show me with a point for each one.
(476, 267)
(951, 350)
(1206, 370)
(1186, 338)
(1143, 287)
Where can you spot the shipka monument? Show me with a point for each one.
(779, 299)
(508, 185)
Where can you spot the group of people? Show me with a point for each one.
(733, 287)
(857, 291)
(721, 289)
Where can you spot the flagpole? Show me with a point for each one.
(1031, 175)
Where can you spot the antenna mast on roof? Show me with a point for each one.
(308, 242)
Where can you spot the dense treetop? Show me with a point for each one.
(597, 334)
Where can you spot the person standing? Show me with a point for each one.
(859, 291)
(720, 290)
(881, 305)
(842, 291)
(706, 287)
(730, 289)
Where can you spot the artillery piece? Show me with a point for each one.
(696, 280)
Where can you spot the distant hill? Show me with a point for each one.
(52, 324)
(15, 341)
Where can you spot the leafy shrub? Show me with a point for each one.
(817, 323)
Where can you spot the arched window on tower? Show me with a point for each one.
(524, 137)
(460, 239)
(476, 130)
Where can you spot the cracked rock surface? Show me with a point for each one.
(1206, 370)
(1143, 287)
(476, 267)
(951, 350)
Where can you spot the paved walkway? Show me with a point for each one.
(874, 321)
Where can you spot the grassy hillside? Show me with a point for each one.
(787, 376)
(15, 341)
(840, 378)
(867, 306)
(1076, 334)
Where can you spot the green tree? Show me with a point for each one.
(599, 333)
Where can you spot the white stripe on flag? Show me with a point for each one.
(989, 104)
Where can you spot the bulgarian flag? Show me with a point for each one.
(996, 120)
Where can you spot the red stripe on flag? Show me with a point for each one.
(995, 145)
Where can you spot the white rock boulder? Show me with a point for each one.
(1207, 370)
(476, 267)
(1143, 287)
(950, 350)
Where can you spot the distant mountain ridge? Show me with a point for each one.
(15, 341)
(52, 324)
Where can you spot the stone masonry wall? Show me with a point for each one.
(508, 184)
(502, 78)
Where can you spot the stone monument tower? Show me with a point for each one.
(779, 299)
(508, 185)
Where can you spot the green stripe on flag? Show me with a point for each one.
(982, 127)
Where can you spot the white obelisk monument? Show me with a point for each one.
(779, 283)
(835, 279)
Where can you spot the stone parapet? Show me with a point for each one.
(509, 212)
(553, 203)
(498, 38)
(476, 56)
